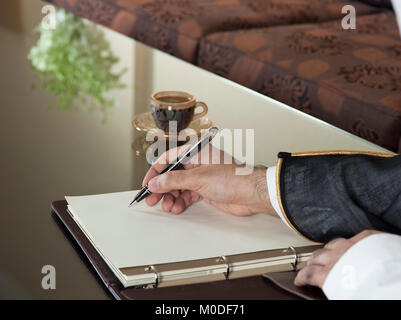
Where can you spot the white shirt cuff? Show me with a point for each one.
(271, 187)
(370, 269)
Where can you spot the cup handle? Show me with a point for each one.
(204, 112)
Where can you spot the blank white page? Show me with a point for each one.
(143, 235)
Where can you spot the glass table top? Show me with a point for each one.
(46, 154)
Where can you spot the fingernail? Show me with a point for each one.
(154, 184)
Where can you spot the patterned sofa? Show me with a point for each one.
(294, 51)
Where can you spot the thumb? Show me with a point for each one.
(174, 180)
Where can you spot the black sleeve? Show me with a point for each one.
(339, 194)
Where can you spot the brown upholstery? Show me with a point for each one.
(176, 26)
(292, 50)
(378, 3)
(349, 78)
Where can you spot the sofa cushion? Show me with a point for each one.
(379, 3)
(349, 78)
(176, 26)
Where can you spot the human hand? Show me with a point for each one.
(217, 183)
(323, 260)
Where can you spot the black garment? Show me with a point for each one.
(339, 195)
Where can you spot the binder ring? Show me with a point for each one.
(294, 265)
(228, 268)
(153, 269)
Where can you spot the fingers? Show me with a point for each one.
(152, 172)
(325, 257)
(194, 196)
(176, 204)
(342, 243)
(336, 243)
(208, 155)
(167, 186)
(162, 162)
(154, 198)
(319, 257)
(179, 206)
(363, 234)
(175, 180)
(313, 275)
(321, 262)
(168, 202)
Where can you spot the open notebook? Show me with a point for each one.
(145, 246)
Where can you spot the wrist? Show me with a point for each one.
(261, 200)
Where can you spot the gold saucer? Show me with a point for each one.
(144, 122)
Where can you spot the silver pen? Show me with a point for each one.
(181, 160)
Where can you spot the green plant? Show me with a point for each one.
(75, 62)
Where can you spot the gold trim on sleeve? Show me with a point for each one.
(342, 152)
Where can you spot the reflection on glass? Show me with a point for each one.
(75, 62)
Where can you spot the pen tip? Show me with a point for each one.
(132, 203)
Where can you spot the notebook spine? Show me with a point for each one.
(223, 260)
(228, 266)
(153, 270)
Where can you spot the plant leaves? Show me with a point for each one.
(75, 62)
